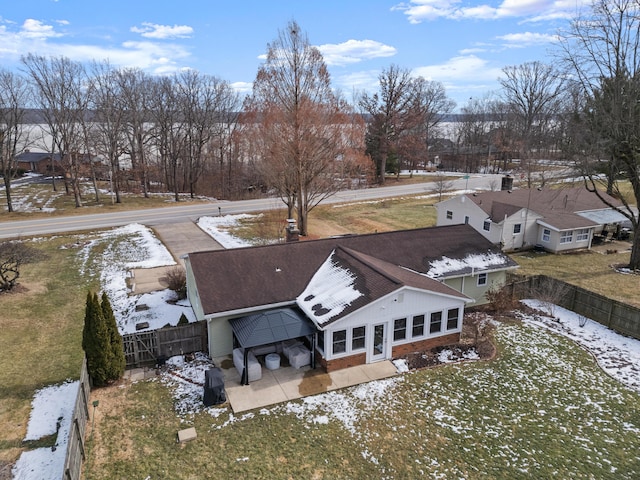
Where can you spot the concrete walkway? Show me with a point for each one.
(288, 383)
(180, 239)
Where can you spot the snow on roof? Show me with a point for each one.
(330, 291)
(474, 261)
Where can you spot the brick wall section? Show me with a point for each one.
(398, 350)
(429, 343)
(344, 362)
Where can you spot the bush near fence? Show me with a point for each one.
(618, 316)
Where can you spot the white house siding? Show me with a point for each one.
(404, 303)
(460, 208)
(528, 236)
(554, 245)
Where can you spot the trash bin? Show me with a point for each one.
(272, 361)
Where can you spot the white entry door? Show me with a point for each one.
(378, 349)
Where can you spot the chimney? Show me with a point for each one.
(293, 234)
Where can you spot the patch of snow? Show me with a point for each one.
(218, 228)
(616, 354)
(475, 261)
(401, 365)
(329, 292)
(51, 412)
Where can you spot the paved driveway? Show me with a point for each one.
(180, 239)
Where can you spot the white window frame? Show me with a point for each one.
(402, 331)
(483, 279)
(519, 227)
(486, 226)
(566, 237)
(449, 215)
(546, 235)
(364, 339)
(582, 235)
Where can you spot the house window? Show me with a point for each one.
(582, 235)
(418, 326)
(339, 341)
(486, 225)
(400, 329)
(321, 341)
(482, 279)
(566, 237)
(546, 235)
(357, 338)
(436, 322)
(517, 228)
(449, 215)
(466, 220)
(452, 318)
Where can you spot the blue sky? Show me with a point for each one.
(462, 43)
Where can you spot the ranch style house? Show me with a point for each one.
(343, 301)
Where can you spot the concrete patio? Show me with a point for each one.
(287, 383)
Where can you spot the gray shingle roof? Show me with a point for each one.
(558, 207)
(244, 278)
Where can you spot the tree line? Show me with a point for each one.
(296, 137)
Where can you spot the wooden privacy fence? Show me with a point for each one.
(75, 446)
(618, 316)
(145, 348)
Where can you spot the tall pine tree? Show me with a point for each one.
(118, 361)
(101, 341)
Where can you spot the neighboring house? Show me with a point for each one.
(39, 162)
(351, 300)
(557, 220)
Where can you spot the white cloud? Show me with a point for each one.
(354, 51)
(526, 39)
(460, 68)
(418, 11)
(36, 29)
(243, 88)
(153, 30)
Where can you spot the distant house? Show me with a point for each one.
(557, 220)
(346, 301)
(39, 162)
(45, 163)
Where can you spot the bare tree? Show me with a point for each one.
(109, 135)
(296, 117)
(532, 92)
(60, 88)
(602, 50)
(430, 105)
(135, 88)
(13, 255)
(391, 115)
(441, 185)
(14, 93)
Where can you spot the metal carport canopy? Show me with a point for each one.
(271, 326)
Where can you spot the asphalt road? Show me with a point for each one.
(181, 213)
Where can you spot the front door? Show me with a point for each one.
(379, 347)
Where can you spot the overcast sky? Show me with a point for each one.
(462, 43)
